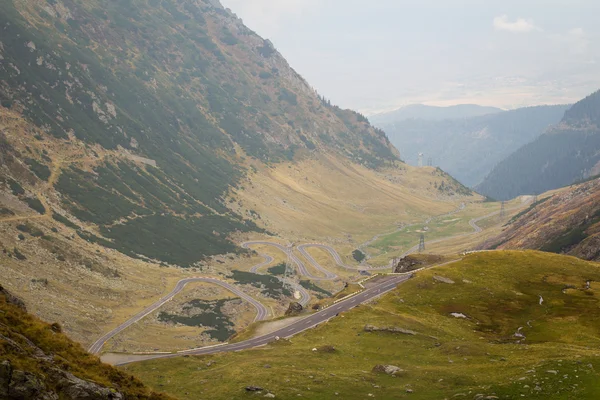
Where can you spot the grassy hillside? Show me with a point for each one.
(530, 331)
(566, 153)
(137, 137)
(564, 222)
(38, 361)
(184, 97)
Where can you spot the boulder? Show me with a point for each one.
(443, 280)
(407, 264)
(295, 308)
(326, 349)
(387, 369)
(390, 329)
(74, 388)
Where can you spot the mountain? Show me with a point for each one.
(567, 222)
(469, 148)
(567, 152)
(167, 105)
(421, 111)
(37, 361)
(143, 141)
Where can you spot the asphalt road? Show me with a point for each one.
(302, 269)
(261, 311)
(473, 223)
(336, 257)
(308, 322)
(304, 295)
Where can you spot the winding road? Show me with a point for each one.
(261, 310)
(307, 322)
(473, 223)
(289, 251)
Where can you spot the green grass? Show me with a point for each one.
(206, 313)
(499, 292)
(36, 205)
(321, 293)
(269, 285)
(278, 270)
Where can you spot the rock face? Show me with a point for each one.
(567, 222)
(407, 264)
(34, 364)
(17, 385)
(387, 369)
(391, 329)
(295, 308)
(10, 299)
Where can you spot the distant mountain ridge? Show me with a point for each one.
(469, 148)
(567, 222)
(422, 111)
(567, 152)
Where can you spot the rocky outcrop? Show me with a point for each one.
(388, 369)
(295, 308)
(11, 299)
(589, 249)
(407, 264)
(567, 222)
(16, 384)
(390, 329)
(38, 362)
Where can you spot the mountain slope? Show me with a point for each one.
(37, 361)
(445, 339)
(567, 222)
(433, 113)
(469, 148)
(183, 97)
(565, 153)
(137, 137)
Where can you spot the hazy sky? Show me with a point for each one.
(381, 54)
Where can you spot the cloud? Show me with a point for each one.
(578, 41)
(521, 25)
(270, 16)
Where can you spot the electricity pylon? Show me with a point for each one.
(288, 274)
(422, 243)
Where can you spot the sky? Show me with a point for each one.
(379, 55)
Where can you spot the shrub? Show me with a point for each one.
(358, 255)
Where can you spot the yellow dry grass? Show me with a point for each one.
(323, 197)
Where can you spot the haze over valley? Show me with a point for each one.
(299, 203)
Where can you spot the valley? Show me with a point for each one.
(181, 211)
(348, 273)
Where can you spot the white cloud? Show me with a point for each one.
(577, 32)
(578, 41)
(521, 25)
(269, 16)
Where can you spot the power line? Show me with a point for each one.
(502, 210)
